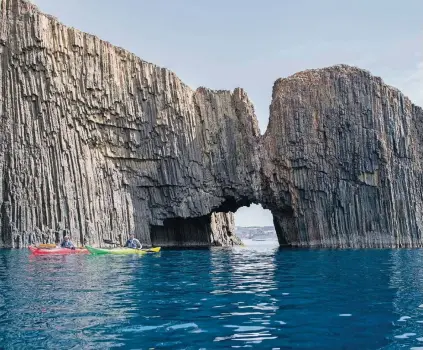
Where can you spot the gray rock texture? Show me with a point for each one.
(343, 161)
(97, 144)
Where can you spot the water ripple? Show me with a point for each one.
(214, 299)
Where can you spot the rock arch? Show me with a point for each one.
(98, 143)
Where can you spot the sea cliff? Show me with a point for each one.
(97, 143)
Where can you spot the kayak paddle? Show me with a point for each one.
(109, 241)
(50, 245)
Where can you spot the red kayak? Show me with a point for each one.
(57, 251)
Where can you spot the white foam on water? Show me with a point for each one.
(285, 293)
(248, 328)
(345, 315)
(420, 339)
(257, 340)
(198, 331)
(281, 322)
(222, 338)
(419, 321)
(421, 305)
(417, 348)
(405, 335)
(403, 318)
(182, 326)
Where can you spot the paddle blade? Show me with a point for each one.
(109, 241)
(46, 246)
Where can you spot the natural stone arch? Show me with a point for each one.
(101, 144)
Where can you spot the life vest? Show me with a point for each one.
(131, 243)
(67, 244)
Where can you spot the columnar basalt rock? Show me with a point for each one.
(344, 156)
(97, 143)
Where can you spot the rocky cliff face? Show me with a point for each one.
(344, 154)
(97, 143)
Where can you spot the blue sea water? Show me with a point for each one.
(225, 298)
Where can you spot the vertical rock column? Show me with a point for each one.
(343, 152)
(99, 144)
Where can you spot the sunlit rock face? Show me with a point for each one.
(97, 144)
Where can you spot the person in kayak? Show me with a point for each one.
(132, 242)
(67, 243)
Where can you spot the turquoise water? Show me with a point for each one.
(257, 298)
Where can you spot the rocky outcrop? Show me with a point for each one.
(344, 161)
(97, 143)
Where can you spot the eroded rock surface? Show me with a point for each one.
(97, 143)
(344, 160)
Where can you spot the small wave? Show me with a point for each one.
(244, 313)
(405, 335)
(403, 318)
(139, 328)
(256, 340)
(182, 326)
(345, 315)
(170, 343)
(245, 328)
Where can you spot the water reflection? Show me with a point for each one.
(334, 295)
(45, 296)
(242, 286)
(259, 297)
(406, 279)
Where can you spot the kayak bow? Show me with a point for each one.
(121, 251)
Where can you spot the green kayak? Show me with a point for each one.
(120, 251)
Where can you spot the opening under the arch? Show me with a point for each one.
(254, 223)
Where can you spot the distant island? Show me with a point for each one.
(256, 233)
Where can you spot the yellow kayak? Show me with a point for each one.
(120, 251)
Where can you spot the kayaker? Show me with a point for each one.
(67, 243)
(132, 242)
